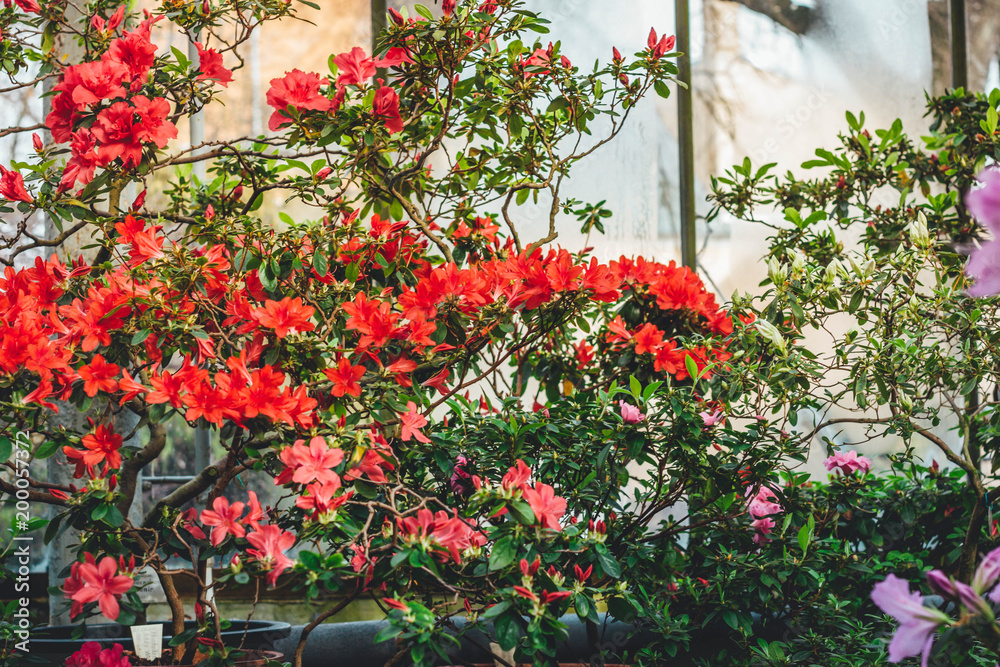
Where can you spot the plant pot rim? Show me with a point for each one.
(253, 657)
(103, 632)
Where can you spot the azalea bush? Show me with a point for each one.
(463, 419)
(872, 304)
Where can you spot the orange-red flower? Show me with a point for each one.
(286, 316)
(345, 378)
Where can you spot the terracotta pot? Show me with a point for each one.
(249, 659)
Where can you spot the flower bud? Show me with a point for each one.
(323, 173)
(616, 54)
(775, 271)
(798, 261)
(37, 142)
(396, 17)
(918, 231)
(834, 270)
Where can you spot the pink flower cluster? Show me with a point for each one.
(92, 655)
(763, 503)
(848, 463)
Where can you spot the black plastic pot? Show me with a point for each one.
(352, 644)
(54, 644)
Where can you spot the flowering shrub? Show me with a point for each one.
(461, 416)
(870, 305)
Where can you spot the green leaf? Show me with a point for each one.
(46, 449)
(729, 616)
(114, 517)
(387, 633)
(6, 448)
(495, 610)
(319, 263)
(691, 366)
(608, 562)
(140, 336)
(99, 512)
(521, 511)
(805, 534)
(503, 554)
(661, 89)
(353, 272)
(267, 279)
(509, 631)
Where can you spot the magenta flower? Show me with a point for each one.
(917, 623)
(461, 479)
(848, 462)
(630, 413)
(957, 591)
(987, 575)
(984, 261)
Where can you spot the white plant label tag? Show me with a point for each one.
(507, 656)
(148, 640)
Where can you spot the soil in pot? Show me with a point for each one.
(248, 659)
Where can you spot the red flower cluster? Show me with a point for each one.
(439, 533)
(678, 290)
(303, 91)
(123, 126)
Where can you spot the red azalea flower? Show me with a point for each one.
(99, 375)
(354, 67)
(517, 477)
(12, 186)
(373, 464)
(100, 447)
(210, 64)
(285, 316)
(118, 134)
(83, 161)
(98, 80)
(153, 126)
(103, 585)
(386, 106)
(30, 6)
(345, 378)
(134, 53)
(296, 89)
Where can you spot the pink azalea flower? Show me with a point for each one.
(848, 462)
(271, 542)
(225, 519)
(917, 623)
(310, 463)
(546, 505)
(103, 584)
(711, 418)
(763, 527)
(630, 413)
(412, 422)
(984, 261)
(761, 504)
